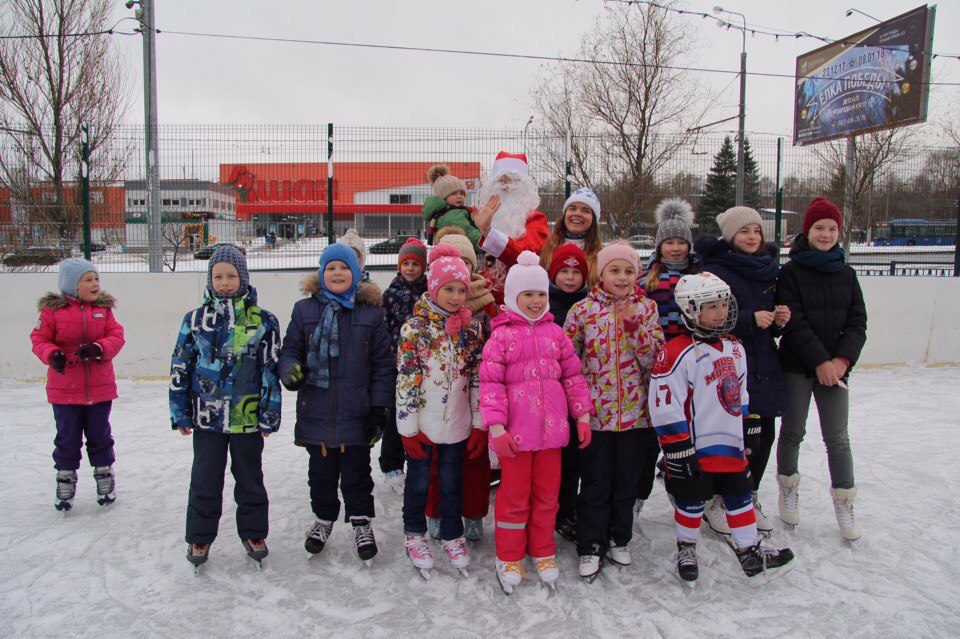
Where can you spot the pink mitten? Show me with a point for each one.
(584, 433)
(504, 446)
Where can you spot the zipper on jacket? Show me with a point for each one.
(536, 353)
(616, 334)
(86, 364)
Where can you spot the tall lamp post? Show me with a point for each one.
(743, 102)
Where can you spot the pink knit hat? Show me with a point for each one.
(525, 275)
(616, 251)
(446, 265)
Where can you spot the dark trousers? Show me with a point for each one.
(569, 477)
(205, 503)
(758, 461)
(609, 478)
(450, 476)
(348, 469)
(391, 447)
(647, 461)
(76, 422)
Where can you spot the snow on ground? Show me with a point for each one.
(120, 571)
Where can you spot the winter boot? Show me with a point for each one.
(619, 555)
(567, 528)
(433, 527)
(456, 550)
(843, 507)
(66, 489)
(197, 553)
(363, 538)
(256, 549)
(764, 525)
(771, 562)
(716, 516)
(318, 536)
(510, 574)
(547, 569)
(106, 485)
(789, 501)
(637, 509)
(687, 569)
(472, 529)
(418, 550)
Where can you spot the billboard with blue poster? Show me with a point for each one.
(875, 79)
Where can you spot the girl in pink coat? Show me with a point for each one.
(530, 383)
(78, 337)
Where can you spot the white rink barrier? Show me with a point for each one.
(912, 320)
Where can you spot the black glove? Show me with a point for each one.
(293, 378)
(89, 352)
(751, 435)
(376, 423)
(682, 462)
(58, 361)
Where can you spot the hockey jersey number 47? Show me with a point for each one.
(698, 391)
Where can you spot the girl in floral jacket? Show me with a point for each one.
(530, 382)
(616, 333)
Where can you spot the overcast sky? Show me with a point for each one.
(206, 80)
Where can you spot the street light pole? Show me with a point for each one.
(741, 160)
(148, 31)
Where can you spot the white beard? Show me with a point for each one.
(518, 199)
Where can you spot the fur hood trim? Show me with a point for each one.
(56, 301)
(367, 292)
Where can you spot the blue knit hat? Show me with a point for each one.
(70, 272)
(230, 255)
(341, 253)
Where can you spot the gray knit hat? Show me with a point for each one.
(443, 183)
(735, 218)
(231, 255)
(70, 272)
(352, 239)
(674, 217)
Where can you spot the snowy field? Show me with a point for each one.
(120, 571)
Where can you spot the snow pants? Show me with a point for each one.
(476, 488)
(758, 460)
(76, 422)
(205, 503)
(391, 447)
(450, 483)
(833, 405)
(569, 478)
(649, 452)
(609, 479)
(348, 469)
(526, 506)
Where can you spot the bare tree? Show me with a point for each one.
(53, 81)
(628, 109)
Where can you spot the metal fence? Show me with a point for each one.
(266, 188)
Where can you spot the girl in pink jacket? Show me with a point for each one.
(78, 337)
(530, 383)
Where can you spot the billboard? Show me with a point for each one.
(875, 79)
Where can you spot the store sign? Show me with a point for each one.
(250, 188)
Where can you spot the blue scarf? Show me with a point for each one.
(326, 338)
(759, 268)
(827, 261)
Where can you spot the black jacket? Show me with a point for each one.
(828, 316)
(753, 281)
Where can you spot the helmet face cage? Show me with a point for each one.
(692, 302)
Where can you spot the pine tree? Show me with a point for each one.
(721, 189)
(751, 183)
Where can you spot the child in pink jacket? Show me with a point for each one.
(78, 337)
(530, 382)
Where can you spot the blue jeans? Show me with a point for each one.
(450, 472)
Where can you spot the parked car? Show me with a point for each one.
(205, 252)
(389, 247)
(641, 241)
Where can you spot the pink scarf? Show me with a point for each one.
(458, 321)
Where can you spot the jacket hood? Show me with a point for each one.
(367, 292)
(424, 309)
(708, 246)
(55, 301)
(401, 284)
(250, 297)
(509, 317)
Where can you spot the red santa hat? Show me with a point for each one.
(510, 163)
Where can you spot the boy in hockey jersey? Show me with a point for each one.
(698, 401)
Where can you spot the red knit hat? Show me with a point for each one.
(821, 209)
(568, 255)
(413, 249)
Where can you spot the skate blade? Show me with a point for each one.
(769, 575)
(551, 586)
(507, 589)
(463, 572)
(368, 562)
(424, 573)
(766, 534)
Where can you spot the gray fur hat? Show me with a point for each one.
(674, 218)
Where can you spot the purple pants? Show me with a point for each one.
(76, 422)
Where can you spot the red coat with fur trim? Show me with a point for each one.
(65, 323)
(506, 249)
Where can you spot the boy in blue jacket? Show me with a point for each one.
(337, 356)
(224, 390)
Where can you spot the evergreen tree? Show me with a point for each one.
(751, 183)
(721, 189)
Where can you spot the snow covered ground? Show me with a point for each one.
(120, 571)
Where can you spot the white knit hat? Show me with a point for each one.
(352, 239)
(584, 195)
(525, 275)
(735, 218)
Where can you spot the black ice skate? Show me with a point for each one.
(763, 564)
(106, 485)
(318, 536)
(363, 538)
(687, 569)
(66, 489)
(197, 555)
(256, 550)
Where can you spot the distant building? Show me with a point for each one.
(193, 213)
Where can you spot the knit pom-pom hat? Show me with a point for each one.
(674, 217)
(443, 183)
(525, 275)
(413, 249)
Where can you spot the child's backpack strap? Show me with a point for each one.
(432, 228)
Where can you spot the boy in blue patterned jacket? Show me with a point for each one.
(225, 390)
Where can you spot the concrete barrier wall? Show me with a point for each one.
(911, 319)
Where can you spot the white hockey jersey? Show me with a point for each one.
(698, 391)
